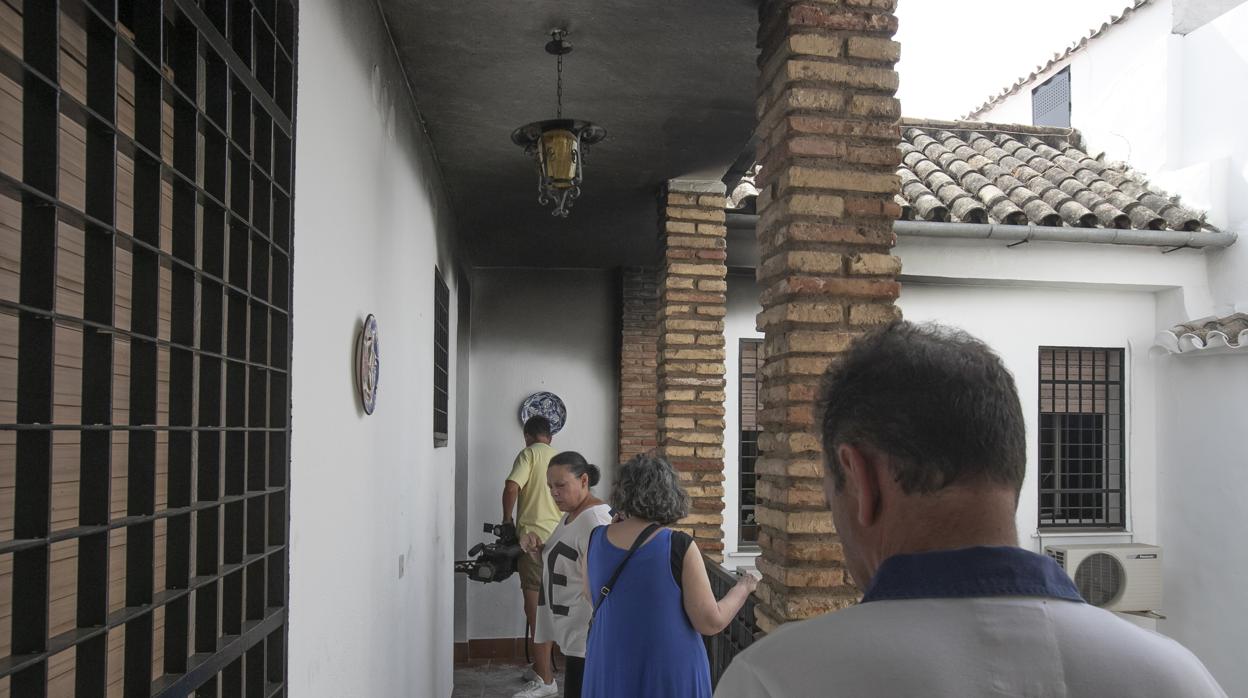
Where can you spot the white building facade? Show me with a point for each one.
(532, 329)
(1166, 103)
(1162, 88)
(543, 329)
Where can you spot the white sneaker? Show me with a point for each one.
(537, 689)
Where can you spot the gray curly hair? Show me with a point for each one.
(647, 487)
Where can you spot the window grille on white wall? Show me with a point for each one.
(1082, 468)
(748, 431)
(441, 360)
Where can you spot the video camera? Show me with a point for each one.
(496, 561)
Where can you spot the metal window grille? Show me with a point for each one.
(751, 362)
(1050, 101)
(1082, 463)
(441, 360)
(146, 165)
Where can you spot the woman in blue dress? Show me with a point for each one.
(645, 638)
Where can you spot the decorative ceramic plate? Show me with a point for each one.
(547, 405)
(368, 364)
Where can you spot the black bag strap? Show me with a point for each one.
(606, 588)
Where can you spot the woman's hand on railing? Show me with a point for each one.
(707, 614)
(747, 580)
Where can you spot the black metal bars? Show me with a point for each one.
(1082, 438)
(748, 429)
(145, 300)
(441, 360)
(721, 648)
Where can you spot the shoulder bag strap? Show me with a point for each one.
(606, 588)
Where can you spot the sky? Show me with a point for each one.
(955, 53)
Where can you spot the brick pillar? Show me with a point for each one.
(827, 126)
(639, 349)
(692, 288)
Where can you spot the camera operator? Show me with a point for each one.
(538, 515)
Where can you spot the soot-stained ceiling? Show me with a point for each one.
(671, 80)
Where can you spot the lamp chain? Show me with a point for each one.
(559, 89)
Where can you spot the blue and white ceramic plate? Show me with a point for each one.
(368, 364)
(547, 405)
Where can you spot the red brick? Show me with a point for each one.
(862, 206)
(833, 126)
(795, 286)
(815, 147)
(638, 384)
(825, 17)
(809, 232)
(874, 155)
(826, 191)
(691, 308)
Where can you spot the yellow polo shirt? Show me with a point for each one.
(538, 513)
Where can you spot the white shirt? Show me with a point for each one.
(1036, 645)
(563, 611)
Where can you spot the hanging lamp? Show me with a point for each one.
(557, 145)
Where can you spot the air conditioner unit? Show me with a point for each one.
(1118, 577)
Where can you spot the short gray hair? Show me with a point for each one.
(647, 487)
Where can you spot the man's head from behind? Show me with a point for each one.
(924, 445)
(536, 428)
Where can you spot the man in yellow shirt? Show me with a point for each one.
(538, 515)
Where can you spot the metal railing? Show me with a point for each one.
(740, 633)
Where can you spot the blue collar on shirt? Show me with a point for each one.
(970, 572)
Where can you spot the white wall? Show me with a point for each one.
(1169, 105)
(1203, 478)
(1190, 15)
(1016, 322)
(739, 323)
(371, 522)
(1110, 79)
(1215, 73)
(1020, 298)
(535, 330)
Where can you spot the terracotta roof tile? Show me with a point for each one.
(1207, 335)
(977, 172)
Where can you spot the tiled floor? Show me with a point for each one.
(483, 678)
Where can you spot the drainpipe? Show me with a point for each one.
(1041, 233)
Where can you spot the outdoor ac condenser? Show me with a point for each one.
(1118, 577)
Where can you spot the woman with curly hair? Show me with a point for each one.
(652, 599)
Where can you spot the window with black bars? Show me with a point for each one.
(146, 167)
(1082, 463)
(751, 362)
(441, 360)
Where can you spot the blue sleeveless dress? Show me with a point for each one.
(641, 644)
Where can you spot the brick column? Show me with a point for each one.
(639, 349)
(692, 288)
(827, 125)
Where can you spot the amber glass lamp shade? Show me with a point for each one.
(560, 157)
(557, 145)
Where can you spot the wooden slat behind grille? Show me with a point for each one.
(143, 291)
(751, 361)
(68, 361)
